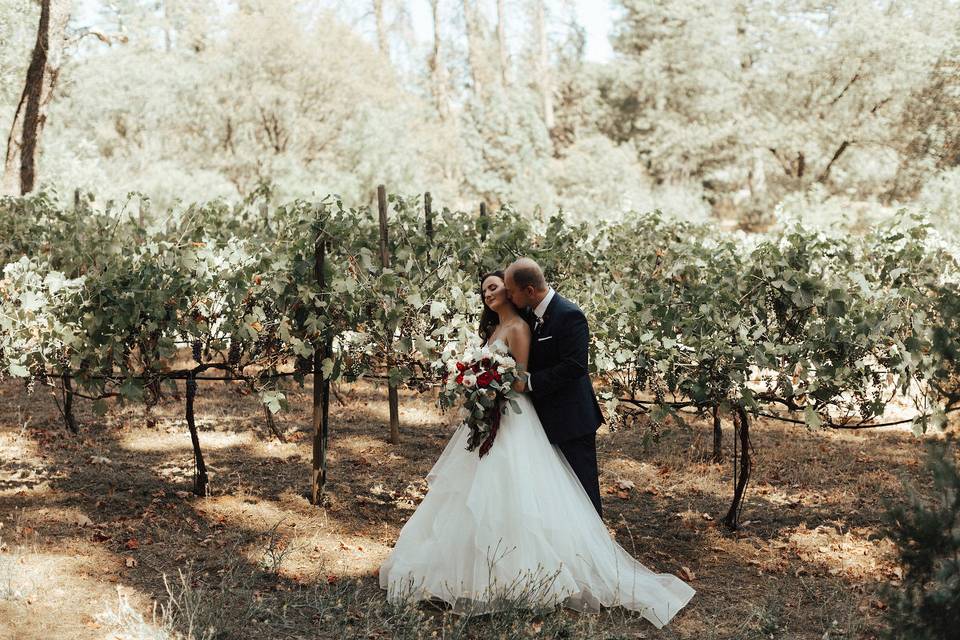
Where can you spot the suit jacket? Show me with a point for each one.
(560, 384)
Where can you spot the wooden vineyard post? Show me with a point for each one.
(483, 227)
(321, 384)
(428, 214)
(393, 399)
(717, 435)
(200, 478)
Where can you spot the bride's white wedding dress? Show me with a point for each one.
(517, 526)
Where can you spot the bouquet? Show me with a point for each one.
(480, 380)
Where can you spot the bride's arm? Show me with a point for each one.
(518, 341)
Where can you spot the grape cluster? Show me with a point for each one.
(658, 387)
(233, 355)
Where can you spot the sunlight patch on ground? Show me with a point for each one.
(304, 546)
(850, 554)
(45, 516)
(410, 414)
(44, 595)
(664, 480)
(362, 444)
(150, 441)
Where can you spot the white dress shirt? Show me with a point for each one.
(539, 311)
(542, 307)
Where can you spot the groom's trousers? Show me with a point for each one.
(581, 453)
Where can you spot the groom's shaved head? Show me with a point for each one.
(526, 273)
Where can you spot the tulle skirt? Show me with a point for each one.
(516, 528)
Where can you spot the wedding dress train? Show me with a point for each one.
(517, 525)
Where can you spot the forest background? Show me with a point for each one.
(746, 111)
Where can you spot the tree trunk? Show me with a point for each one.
(502, 42)
(836, 156)
(200, 478)
(741, 476)
(478, 68)
(382, 41)
(438, 74)
(23, 143)
(544, 78)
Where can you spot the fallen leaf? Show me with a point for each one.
(132, 544)
(131, 562)
(687, 574)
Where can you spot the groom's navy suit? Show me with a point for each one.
(561, 390)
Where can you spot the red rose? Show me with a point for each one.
(485, 363)
(461, 367)
(476, 367)
(484, 379)
(459, 379)
(496, 375)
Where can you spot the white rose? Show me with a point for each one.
(508, 362)
(452, 366)
(470, 381)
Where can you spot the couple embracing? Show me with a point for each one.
(523, 523)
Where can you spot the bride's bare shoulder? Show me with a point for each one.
(520, 328)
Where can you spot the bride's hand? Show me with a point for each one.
(520, 384)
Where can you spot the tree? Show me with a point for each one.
(544, 78)
(437, 66)
(278, 94)
(773, 96)
(502, 42)
(480, 71)
(927, 535)
(382, 42)
(23, 142)
(930, 129)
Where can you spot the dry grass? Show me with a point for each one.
(99, 537)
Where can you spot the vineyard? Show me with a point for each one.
(823, 330)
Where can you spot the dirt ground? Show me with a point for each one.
(91, 524)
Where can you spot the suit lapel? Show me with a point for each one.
(547, 315)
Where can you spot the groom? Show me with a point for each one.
(558, 378)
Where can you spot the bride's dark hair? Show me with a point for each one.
(488, 317)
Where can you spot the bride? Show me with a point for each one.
(517, 526)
